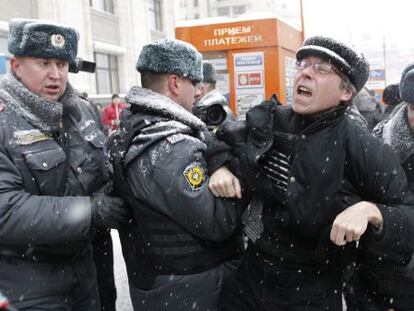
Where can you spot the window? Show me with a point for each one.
(196, 16)
(195, 3)
(103, 5)
(239, 9)
(4, 55)
(107, 81)
(155, 14)
(223, 11)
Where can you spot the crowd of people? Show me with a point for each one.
(295, 208)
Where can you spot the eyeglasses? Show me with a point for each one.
(320, 68)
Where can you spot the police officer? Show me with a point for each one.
(52, 167)
(186, 238)
(320, 183)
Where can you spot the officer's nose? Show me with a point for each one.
(54, 71)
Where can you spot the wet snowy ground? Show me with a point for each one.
(123, 302)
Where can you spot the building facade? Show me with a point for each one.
(112, 33)
(287, 10)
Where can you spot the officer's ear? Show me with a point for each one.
(173, 84)
(15, 64)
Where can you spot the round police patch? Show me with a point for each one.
(57, 40)
(195, 176)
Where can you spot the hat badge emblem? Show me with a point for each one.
(57, 40)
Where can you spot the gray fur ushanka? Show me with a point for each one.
(42, 39)
(171, 56)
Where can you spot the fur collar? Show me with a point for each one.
(397, 133)
(147, 100)
(44, 114)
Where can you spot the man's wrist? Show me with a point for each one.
(374, 215)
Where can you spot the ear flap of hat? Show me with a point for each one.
(407, 84)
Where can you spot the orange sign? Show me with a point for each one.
(236, 35)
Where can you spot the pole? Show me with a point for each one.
(302, 20)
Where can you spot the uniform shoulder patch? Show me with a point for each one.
(173, 139)
(195, 176)
(27, 137)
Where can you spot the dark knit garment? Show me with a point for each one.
(44, 114)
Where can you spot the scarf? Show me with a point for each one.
(45, 115)
(397, 133)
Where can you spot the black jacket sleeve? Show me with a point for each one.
(379, 177)
(217, 153)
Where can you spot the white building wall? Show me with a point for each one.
(132, 33)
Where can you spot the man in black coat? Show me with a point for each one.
(397, 290)
(320, 185)
(52, 169)
(184, 241)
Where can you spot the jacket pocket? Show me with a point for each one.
(88, 162)
(48, 169)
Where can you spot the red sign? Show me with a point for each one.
(249, 79)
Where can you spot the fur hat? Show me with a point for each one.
(407, 84)
(391, 95)
(171, 56)
(209, 73)
(43, 39)
(352, 65)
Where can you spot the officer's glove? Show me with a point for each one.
(109, 212)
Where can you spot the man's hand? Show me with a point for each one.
(224, 184)
(352, 223)
(109, 212)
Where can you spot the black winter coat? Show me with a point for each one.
(332, 164)
(46, 180)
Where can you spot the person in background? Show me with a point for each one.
(112, 112)
(319, 183)
(208, 95)
(53, 173)
(397, 282)
(96, 109)
(185, 242)
(391, 97)
(370, 109)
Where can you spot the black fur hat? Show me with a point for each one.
(391, 95)
(352, 65)
(407, 84)
(171, 56)
(209, 73)
(44, 39)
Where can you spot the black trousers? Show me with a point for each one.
(361, 296)
(103, 258)
(260, 285)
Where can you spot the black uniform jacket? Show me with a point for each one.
(45, 215)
